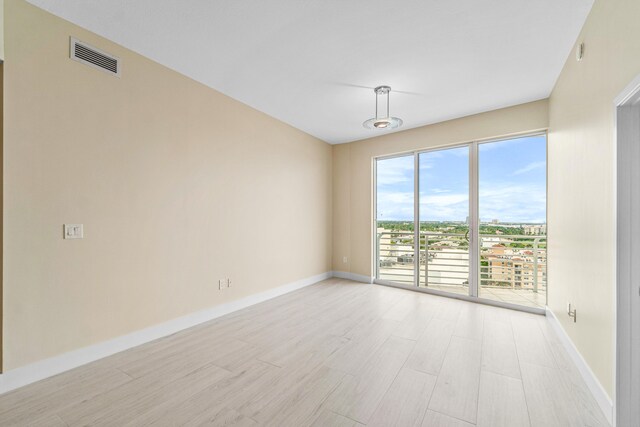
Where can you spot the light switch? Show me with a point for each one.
(73, 231)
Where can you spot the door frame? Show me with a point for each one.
(627, 293)
(474, 221)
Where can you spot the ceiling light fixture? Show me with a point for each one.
(382, 121)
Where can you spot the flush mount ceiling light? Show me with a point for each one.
(382, 120)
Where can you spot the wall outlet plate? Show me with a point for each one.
(73, 231)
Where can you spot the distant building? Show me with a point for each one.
(515, 272)
(495, 221)
(515, 268)
(488, 242)
(535, 230)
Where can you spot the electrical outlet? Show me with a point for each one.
(220, 284)
(73, 231)
(344, 259)
(228, 283)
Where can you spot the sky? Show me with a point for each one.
(512, 183)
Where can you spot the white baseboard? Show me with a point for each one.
(352, 276)
(598, 392)
(37, 371)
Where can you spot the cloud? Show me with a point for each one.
(395, 197)
(530, 167)
(513, 203)
(520, 200)
(395, 171)
(395, 206)
(443, 199)
(444, 207)
(508, 203)
(426, 164)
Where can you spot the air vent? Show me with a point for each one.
(96, 58)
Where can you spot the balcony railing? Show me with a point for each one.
(506, 261)
(514, 262)
(395, 254)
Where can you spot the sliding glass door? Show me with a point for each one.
(513, 216)
(395, 185)
(468, 220)
(444, 220)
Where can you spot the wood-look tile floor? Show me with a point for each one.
(337, 353)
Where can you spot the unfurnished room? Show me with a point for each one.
(320, 213)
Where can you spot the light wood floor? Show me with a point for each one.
(333, 354)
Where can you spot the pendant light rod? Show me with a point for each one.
(376, 115)
(382, 91)
(388, 101)
(386, 122)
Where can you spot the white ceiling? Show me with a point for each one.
(314, 63)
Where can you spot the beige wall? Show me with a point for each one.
(582, 180)
(353, 180)
(1, 198)
(176, 184)
(2, 30)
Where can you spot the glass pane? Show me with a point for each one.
(394, 216)
(513, 220)
(444, 220)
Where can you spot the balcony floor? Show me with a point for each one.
(524, 297)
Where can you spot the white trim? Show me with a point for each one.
(374, 209)
(352, 276)
(473, 226)
(628, 92)
(625, 206)
(416, 222)
(598, 392)
(55, 365)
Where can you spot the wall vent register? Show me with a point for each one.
(89, 55)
